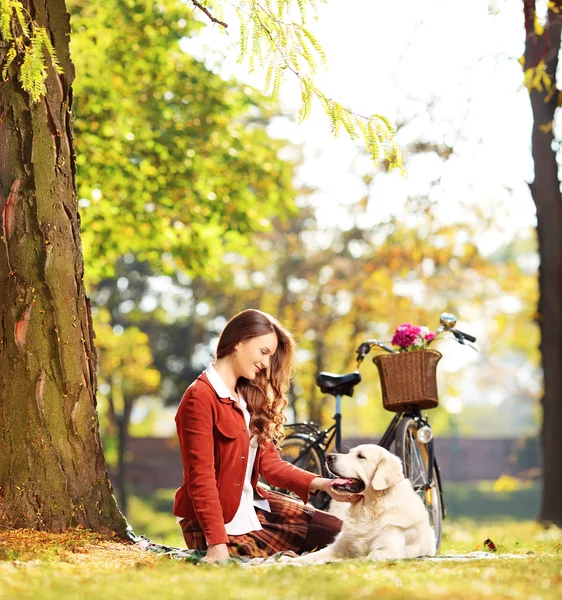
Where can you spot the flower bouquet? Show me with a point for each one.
(408, 377)
(410, 337)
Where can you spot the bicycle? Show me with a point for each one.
(409, 435)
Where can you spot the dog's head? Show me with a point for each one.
(366, 466)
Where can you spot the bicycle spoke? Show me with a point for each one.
(417, 474)
(416, 456)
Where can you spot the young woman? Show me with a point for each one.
(227, 422)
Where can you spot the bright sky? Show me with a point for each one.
(396, 58)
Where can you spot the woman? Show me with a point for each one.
(227, 422)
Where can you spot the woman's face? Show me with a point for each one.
(254, 354)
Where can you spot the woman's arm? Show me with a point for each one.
(196, 438)
(280, 473)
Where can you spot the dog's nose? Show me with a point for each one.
(331, 458)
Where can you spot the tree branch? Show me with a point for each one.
(209, 14)
(529, 10)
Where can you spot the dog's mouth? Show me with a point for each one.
(346, 484)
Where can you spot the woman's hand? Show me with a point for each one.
(324, 485)
(216, 552)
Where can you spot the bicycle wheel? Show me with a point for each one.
(415, 459)
(297, 450)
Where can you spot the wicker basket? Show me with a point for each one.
(408, 379)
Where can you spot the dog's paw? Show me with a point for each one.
(290, 560)
(383, 555)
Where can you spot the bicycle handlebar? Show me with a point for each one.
(467, 336)
(448, 322)
(365, 348)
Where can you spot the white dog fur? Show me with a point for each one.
(389, 522)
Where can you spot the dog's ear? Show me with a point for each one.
(388, 473)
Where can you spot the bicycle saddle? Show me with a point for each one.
(338, 385)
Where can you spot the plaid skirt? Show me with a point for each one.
(284, 529)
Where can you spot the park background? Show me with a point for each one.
(291, 220)
(200, 196)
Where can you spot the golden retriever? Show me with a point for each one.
(389, 521)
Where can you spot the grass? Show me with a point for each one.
(82, 565)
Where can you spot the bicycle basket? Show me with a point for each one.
(408, 379)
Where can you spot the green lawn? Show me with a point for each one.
(55, 574)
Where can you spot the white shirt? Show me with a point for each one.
(245, 519)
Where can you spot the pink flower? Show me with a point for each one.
(411, 337)
(405, 335)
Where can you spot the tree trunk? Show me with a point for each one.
(548, 200)
(52, 470)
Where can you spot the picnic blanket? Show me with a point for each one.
(194, 556)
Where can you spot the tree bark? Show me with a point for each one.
(545, 191)
(52, 470)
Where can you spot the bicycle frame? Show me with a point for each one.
(319, 441)
(388, 436)
(319, 437)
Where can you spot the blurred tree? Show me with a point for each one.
(540, 64)
(334, 289)
(127, 373)
(173, 162)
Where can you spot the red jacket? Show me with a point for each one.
(214, 443)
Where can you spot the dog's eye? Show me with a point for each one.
(359, 455)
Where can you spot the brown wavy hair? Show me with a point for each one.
(266, 397)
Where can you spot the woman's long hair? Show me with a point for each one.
(266, 398)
